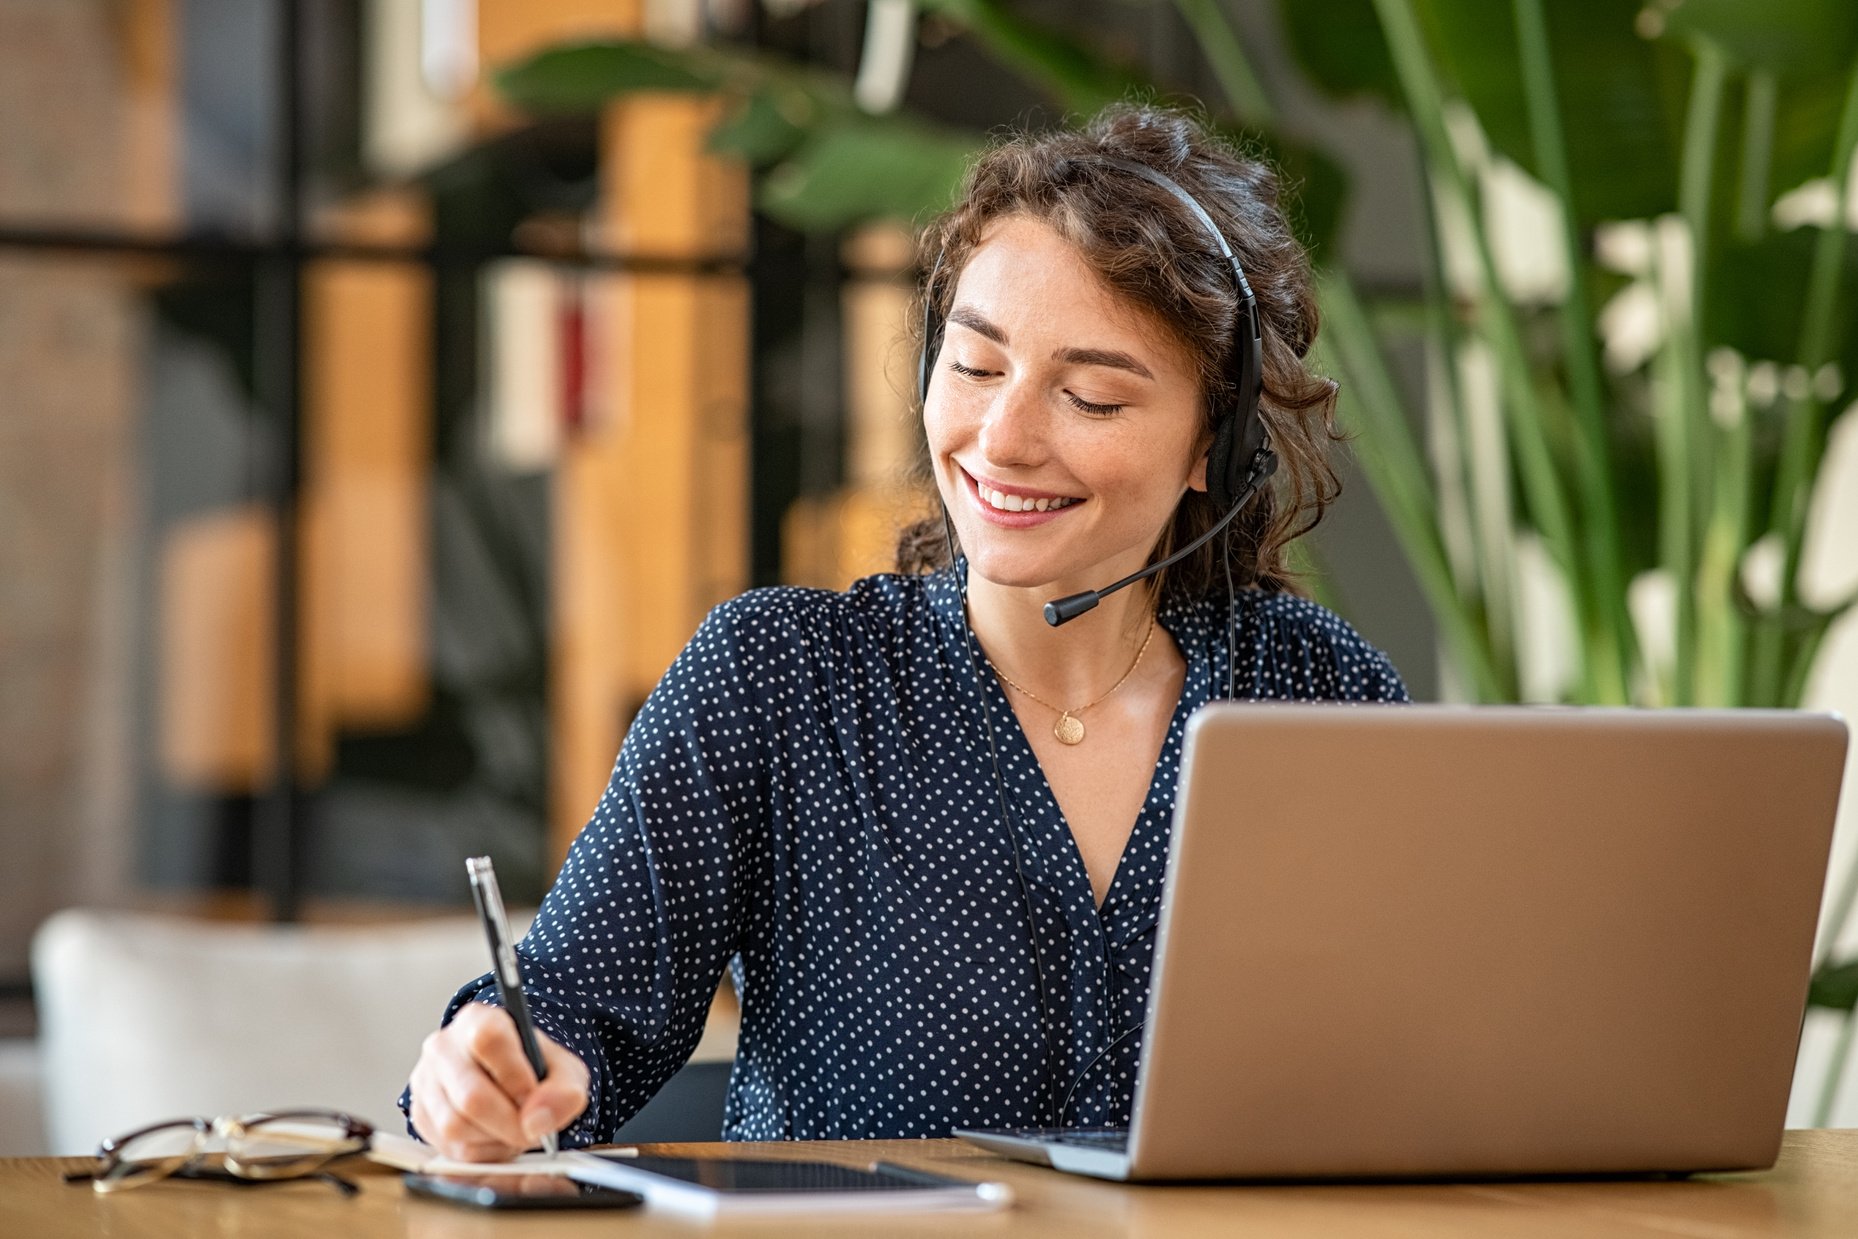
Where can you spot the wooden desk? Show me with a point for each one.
(1812, 1192)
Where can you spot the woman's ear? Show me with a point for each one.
(1196, 479)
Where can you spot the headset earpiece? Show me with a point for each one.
(932, 335)
(1239, 433)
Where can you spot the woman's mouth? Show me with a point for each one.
(1000, 501)
(1015, 510)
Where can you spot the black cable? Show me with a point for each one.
(1096, 1058)
(1232, 662)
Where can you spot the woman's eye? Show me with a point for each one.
(958, 368)
(1092, 408)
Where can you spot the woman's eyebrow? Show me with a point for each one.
(972, 319)
(1101, 357)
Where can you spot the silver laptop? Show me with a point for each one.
(1435, 941)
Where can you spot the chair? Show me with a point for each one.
(22, 1110)
(146, 1017)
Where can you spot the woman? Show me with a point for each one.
(936, 917)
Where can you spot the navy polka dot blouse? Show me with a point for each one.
(807, 799)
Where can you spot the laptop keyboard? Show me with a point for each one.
(1108, 1139)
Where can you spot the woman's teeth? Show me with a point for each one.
(1019, 503)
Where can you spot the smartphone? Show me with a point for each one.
(519, 1191)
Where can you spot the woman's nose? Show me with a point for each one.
(1013, 431)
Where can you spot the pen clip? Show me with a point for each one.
(490, 905)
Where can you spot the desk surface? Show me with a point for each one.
(1813, 1191)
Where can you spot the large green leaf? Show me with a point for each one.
(1621, 95)
(828, 163)
(581, 77)
(1788, 38)
(1835, 986)
(866, 167)
(1805, 128)
(760, 131)
(1339, 44)
(1074, 72)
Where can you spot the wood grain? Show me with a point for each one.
(1812, 1192)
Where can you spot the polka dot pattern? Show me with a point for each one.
(808, 800)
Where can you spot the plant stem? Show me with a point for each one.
(1727, 540)
(1534, 458)
(1723, 540)
(1611, 626)
(1220, 44)
(1397, 472)
(1312, 570)
(1676, 552)
(1802, 442)
(1751, 212)
(1699, 615)
(1816, 330)
(1478, 467)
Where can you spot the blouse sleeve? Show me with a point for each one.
(1304, 652)
(631, 942)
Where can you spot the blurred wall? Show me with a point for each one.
(69, 336)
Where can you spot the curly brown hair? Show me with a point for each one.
(1148, 247)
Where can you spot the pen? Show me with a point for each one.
(504, 969)
(993, 1193)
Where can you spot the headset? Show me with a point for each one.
(1238, 463)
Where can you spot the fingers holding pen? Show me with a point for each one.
(488, 1035)
(475, 1095)
(559, 1099)
(444, 1120)
(468, 1086)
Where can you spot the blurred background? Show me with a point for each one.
(389, 387)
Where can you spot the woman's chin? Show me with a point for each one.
(1012, 572)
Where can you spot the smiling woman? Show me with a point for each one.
(935, 888)
(1057, 409)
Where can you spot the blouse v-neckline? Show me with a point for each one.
(1124, 913)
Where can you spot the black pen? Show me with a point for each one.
(504, 969)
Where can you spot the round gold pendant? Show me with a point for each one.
(1068, 730)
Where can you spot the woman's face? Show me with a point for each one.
(1063, 424)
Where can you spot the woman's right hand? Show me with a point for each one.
(475, 1097)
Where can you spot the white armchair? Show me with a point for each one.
(144, 1017)
(147, 1017)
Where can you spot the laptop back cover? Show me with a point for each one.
(1416, 941)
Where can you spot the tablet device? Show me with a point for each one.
(773, 1185)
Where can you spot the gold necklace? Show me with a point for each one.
(1069, 728)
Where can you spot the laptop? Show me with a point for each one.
(1465, 942)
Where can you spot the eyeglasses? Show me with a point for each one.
(257, 1148)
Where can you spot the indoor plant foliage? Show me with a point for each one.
(1628, 400)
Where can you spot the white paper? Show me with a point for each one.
(406, 1153)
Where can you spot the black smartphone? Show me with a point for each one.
(519, 1191)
